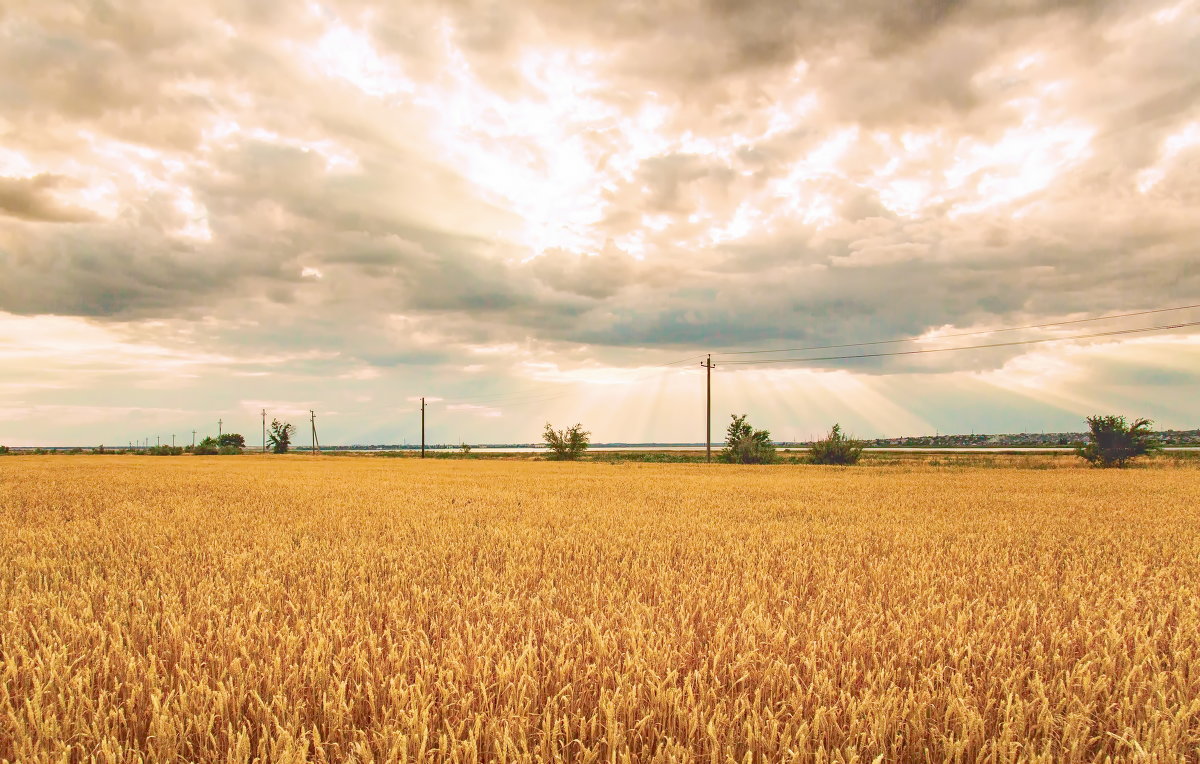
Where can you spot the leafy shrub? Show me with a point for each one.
(3, 450)
(231, 439)
(568, 444)
(836, 448)
(1114, 442)
(207, 447)
(165, 451)
(746, 445)
(229, 450)
(281, 436)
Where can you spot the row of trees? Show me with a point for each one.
(746, 445)
(743, 445)
(279, 438)
(1113, 442)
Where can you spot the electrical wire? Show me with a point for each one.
(966, 347)
(959, 334)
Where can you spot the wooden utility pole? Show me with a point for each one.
(313, 420)
(220, 424)
(708, 367)
(193, 438)
(264, 418)
(422, 428)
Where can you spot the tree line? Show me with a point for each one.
(1112, 442)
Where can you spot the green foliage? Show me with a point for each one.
(746, 445)
(231, 439)
(652, 457)
(466, 450)
(207, 447)
(568, 444)
(1114, 442)
(229, 450)
(3, 450)
(164, 451)
(836, 448)
(280, 437)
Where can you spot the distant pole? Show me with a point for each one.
(193, 438)
(312, 418)
(172, 440)
(220, 424)
(708, 367)
(264, 416)
(422, 428)
(157, 442)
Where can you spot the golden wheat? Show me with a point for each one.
(297, 609)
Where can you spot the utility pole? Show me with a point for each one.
(157, 441)
(193, 438)
(708, 367)
(313, 420)
(422, 428)
(220, 424)
(264, 416)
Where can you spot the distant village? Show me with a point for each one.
(1018, 440)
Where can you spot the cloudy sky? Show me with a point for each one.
(534, 210)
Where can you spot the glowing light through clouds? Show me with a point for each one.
(526, 211)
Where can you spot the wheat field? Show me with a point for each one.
(282, 609)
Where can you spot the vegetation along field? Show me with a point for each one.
(296, 608)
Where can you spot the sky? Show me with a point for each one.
(532, 211)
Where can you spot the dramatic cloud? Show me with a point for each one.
(510, 203)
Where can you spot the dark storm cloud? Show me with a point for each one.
(33, 199)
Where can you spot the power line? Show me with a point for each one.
(960, 334)
(967, 347)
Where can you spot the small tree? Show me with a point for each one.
(466, 450)
(746, 445)
(568, 444)
(1114, 442)
(231, 439)
(3, 450)
(836, 448)
(206, 447)
(281, 436)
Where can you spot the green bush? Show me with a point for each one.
(231, 439)
(207, 447)
(836, 448)
(1113, 442)
(746, 445)
(164, 451)
(280, 438)
(3, 450)
(568, 444)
